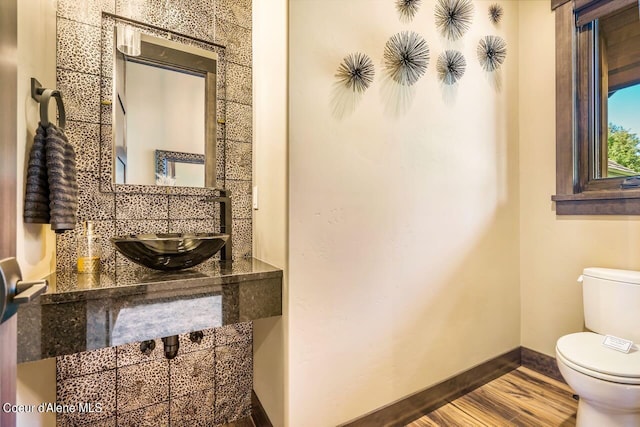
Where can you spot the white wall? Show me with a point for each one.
(36, 384)
(270, 176)
(555, 249)
(36, 58)
(35, 243)
(403, 229)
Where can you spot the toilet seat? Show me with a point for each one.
(584, 352)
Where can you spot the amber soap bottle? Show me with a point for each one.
(89, 250)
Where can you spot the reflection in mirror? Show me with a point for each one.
(164, 102)
(179, 169)
(187, 174)
(617, 47)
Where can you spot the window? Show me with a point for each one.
(598, 106)
(623, 121)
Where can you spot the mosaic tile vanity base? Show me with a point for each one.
(207, 383)
(84, 75)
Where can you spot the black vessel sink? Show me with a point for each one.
(170, 251)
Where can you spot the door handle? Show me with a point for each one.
(15, 291)
(28, 291)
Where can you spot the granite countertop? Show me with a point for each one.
(83, 312)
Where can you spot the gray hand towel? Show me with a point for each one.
(52, 187)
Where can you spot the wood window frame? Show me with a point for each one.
(576, 193)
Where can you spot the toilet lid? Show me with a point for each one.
(585, 349)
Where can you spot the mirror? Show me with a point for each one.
(164, 110)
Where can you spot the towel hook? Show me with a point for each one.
(42, 96)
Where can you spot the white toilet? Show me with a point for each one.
(607, 380)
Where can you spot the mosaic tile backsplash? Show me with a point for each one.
(208, 383)
(84, 75)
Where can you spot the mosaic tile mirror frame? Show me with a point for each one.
(84, 75)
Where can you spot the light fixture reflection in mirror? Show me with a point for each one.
(127, 40)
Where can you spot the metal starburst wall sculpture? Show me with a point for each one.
(495, 13)
(407, 9)
(451, 66)
(406, 56)
(492, 51)
(356, 72)
(453, 17)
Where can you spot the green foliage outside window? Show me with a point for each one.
(624, 147)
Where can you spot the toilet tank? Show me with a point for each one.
(612, 302)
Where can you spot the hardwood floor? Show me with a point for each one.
(520, 398)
